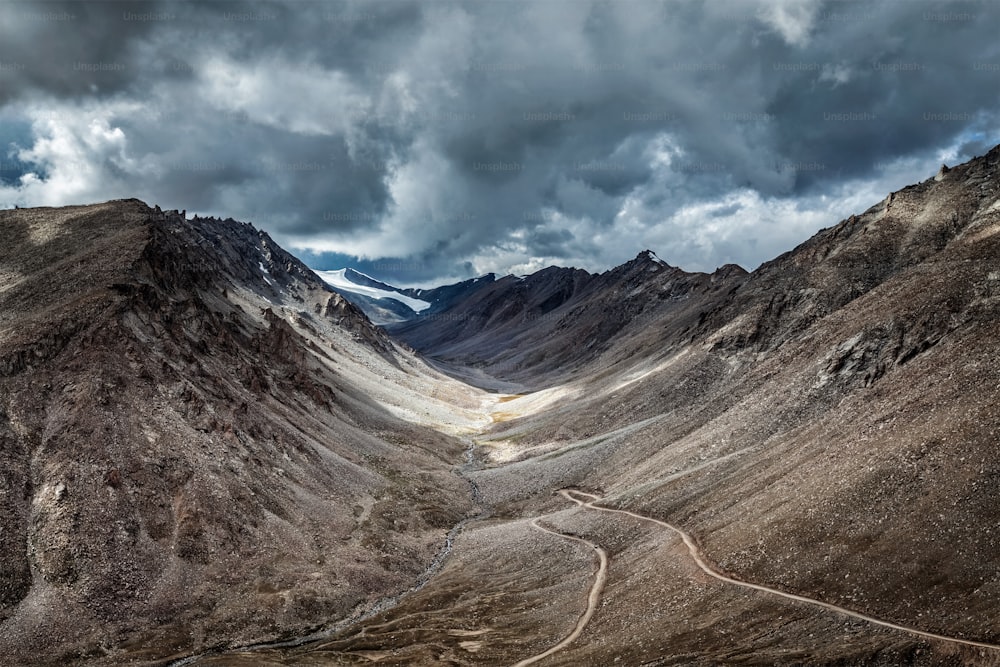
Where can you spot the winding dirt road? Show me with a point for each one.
(592, 599)
(707, 568)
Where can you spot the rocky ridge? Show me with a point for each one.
(198, 446)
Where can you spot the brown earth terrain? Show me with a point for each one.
(792, 466)
(824, 427)
(198, 446)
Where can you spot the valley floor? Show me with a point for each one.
(570, 578)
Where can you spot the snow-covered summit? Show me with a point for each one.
(355, 285)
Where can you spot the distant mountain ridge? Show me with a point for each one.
(387, 304)
(555, 319)
(488, 305)
(382, 303)
(553, 322)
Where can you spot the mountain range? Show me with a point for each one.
(385, 304)
(212, 457)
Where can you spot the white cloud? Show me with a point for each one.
(836, 74)
(79, 155)
(792, 19)
(420, 214)
(297, 96)
(740, 227)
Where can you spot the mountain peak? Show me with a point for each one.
(729, 270)
(649, 255)
(644, 261)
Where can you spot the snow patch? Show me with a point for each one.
(339, 280)
(263, 269)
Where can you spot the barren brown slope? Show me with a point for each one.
(832, 430)
(197, 446)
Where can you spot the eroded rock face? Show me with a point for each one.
(180, 460)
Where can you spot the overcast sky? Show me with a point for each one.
(436, 140)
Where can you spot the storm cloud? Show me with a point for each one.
(427, 141)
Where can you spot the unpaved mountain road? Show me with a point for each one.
(592, 598)
(710, 570)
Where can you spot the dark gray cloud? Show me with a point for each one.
(445, 138)
(71, 48)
